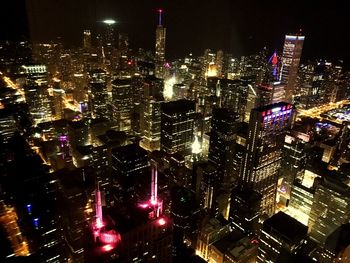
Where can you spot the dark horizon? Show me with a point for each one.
(240, 28)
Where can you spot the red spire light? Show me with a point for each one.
(274, 59)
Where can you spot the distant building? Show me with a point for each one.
(36, 92)
(87, 40)
(122, 103)
(160, 46)
(292, 48)
(234, 94)
(98, 95)
(150, 107)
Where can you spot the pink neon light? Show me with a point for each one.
(98, 208)
(110, 237)
(99, 224)
(144, 205)
(154, 186)
(161, 222)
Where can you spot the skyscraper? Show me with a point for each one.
(177, 126)
(87, 40)
(151, 113)
(160, 46)
(36, 92)
(98, 95)
(234, 94)
(122, 103)
(292, 49)
(263, 155)
(330, 208)
(222, 143)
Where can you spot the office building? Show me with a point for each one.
(206, 186)
(129, 167)
(122, 103)
(245, 209)
(222, 143)
(234, 95)
(150, 111)
(78, 133)
(330, 208)
(267, 128)
(177, 122)
(186, 217)
(36, 92)
(280, 233)
(301, 199)
(98, 95)
(293, 162)
(292, 48)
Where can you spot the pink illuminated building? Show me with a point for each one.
(108, 239)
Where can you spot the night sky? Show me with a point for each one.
(239, 27)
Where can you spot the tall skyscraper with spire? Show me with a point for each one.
(160, 46)
(292, 48)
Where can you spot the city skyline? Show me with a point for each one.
(118, 145)
(240, 28)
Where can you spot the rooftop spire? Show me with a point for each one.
(160, 11)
